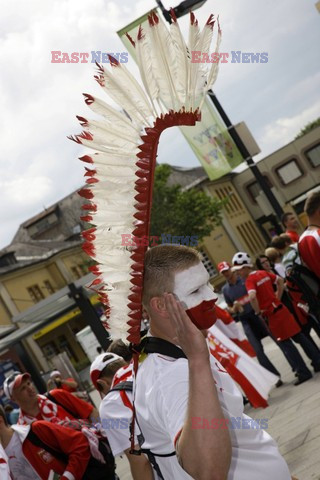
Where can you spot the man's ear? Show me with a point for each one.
(158, 305)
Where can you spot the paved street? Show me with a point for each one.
(294, 420)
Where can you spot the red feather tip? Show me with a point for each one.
(173, 15)
(100, 79)
(83, 135)
(89, 99)
(91, 207)
(83, 121)
(86, 158)
(86, 193)
(100, 67)
(90, 172)
(86, 218)
(113, 61)
(92, 181)
(140, 35)
(130, 39)
(150, 20)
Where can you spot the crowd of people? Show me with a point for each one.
(171, 408)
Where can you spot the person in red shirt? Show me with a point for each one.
(265, 301)
(309, 243)
(291, 225)
(27, 460)
(56, 381)
(63, 406)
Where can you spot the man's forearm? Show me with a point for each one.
(139, 466)
(205, 452)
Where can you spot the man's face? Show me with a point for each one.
(194, 291)
(243, 272)
(227, 274)
(292, 222)
(25, 393)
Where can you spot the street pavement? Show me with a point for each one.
(293, 419)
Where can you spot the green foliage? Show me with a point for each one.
(310, 126)
(182, 212)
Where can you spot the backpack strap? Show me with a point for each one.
(54, 400)
(124, 386)
(152, 459)
(35, 440)
(158, 345)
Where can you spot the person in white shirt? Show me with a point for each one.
(189, 410)
(4, 465)
(107, 371)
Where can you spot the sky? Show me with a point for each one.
(40, 99)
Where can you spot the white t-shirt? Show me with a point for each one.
(19, 466)
(115, 416)
(4, 466)
(161, 403)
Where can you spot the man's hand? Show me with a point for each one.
(188, 336)
(202, 453)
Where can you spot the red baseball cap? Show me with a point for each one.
(223, 266)
(13, 381)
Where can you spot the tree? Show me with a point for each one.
(310, 126)
(182, 212)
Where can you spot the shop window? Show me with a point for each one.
(35, 293)
(313, 155)
(289, 172)
(208, 264)
(64, 346)
(50, 350)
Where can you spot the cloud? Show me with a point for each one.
(284, 129)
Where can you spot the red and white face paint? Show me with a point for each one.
(194, 291)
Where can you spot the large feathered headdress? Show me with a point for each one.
(119, 186)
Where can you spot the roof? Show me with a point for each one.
(69, 212)
(34, 251)
(186, 176)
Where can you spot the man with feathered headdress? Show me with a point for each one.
(186, 407)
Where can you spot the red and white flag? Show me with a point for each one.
(255, 381)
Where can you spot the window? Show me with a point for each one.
(49, 288)
(254, 188)
(49, 350)
(289, 172)
(76, 272)
(35, 293)
(42, 224)
(313, 155)
(208, 264)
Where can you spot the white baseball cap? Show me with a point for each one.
(13, 381)
(55, 373)
(100, 363)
